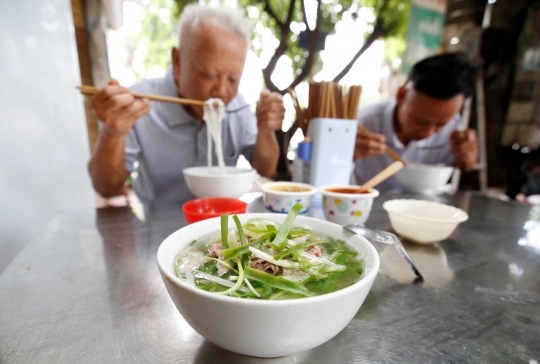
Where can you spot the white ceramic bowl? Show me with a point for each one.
(423, 222)
(424, 178)
(266, 328)
(347, 208)
(282, 201)
(219, 182)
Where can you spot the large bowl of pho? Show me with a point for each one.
(219, 181)
(279, 285)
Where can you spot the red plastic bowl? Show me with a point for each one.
(206, 208)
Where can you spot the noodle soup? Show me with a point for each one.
(263, 259)
(266, 327)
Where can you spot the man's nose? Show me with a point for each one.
(428, 131)
(220, 88)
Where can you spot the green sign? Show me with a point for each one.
(426, 22)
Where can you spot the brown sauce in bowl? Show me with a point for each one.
(352, 191)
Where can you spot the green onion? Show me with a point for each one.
(251, 288)
(295, 248)
(277, 282)
(243, 240)
(280, 241)
(295, 233)
(224, 230)
(231, 238)
(231, 253)
(222, 262)
(239, 281)
(270, 259)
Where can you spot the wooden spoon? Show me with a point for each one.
(381, 176)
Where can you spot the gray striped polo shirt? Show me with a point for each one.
(167, 140)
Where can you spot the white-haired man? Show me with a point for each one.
(164, 138)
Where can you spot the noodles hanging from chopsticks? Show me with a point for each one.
(327, 100)
(214, 110)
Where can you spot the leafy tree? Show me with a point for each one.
(152, 45)
(288, 22)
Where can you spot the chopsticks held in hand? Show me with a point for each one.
(388, 150)
(90, 90)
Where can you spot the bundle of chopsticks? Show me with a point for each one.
(327, 100)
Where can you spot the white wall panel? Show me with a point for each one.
(43, 139)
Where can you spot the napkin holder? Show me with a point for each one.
(326, 156)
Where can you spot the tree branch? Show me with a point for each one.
(281, 49)
(378, 31)
(272, 14)
(313, 44)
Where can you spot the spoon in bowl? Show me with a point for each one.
(385, 238)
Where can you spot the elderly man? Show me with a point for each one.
(160, 139)
(422, 123)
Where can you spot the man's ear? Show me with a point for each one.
(175, 56)
(401, 95)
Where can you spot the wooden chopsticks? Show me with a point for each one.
(91, 90)
(381, 176)
(388, 150)
(329, 100)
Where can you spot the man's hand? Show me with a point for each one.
(368, 143)
(464, 147)
(118, 109)
(270, 111)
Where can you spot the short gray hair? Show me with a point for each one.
(221, 15)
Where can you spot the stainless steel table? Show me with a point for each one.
(88, 291)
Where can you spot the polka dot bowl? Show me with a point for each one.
(280, 197)
(347, 208)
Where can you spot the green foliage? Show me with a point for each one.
(152, 45)
(394, 19)
(394, 48)
(158, 34)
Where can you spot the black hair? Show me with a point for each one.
(443, 76)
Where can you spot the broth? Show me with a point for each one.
(265, 266)
(292, 188)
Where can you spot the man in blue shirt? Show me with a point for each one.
(422, 124)
(162, 139)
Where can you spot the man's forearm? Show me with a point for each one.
(266, 154)
(106, 166)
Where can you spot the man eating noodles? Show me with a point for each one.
(422, 124)
(161, 139)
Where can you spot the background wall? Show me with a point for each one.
(43, 139)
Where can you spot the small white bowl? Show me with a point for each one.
(281, 196)
(424, 178)
(347, 208)
(423, 222)
(219, 182)
(266, 328)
